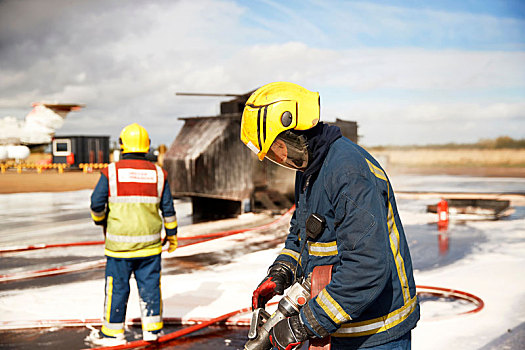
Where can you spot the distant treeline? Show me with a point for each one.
(502, 142)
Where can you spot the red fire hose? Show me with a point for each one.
(177, 334)
(428, 290)
(46, 246)
(61, 323)
(197, 237)
(436, 291)
(453, 293)
(203, 323)
(11, 277)
(421, 290)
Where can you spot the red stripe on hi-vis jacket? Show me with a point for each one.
(136, 177)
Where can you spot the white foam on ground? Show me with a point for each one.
(494, 271)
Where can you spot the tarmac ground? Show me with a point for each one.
(51, 217)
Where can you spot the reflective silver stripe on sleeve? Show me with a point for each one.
(134, 199)
(112, 179)
(160, 181)
(132, 239)
(368, 327)
(322, 248)
(291, 253)
(332, 308)
(170, 218)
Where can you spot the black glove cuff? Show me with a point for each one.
(309, 333)
(300, 330)
(283, 270)
(310, 318)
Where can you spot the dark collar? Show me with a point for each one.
(141, 156)
(320, 138)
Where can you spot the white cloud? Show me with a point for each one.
(126, 61)
(426, 69)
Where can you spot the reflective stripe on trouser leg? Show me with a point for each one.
(118, 272)
(147, 275)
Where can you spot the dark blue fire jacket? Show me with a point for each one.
(371, 298)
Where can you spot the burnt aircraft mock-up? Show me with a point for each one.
(38, 128)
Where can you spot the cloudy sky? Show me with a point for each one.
(409, 72)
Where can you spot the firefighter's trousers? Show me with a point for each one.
(147, 275)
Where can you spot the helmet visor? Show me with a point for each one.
(289, 150)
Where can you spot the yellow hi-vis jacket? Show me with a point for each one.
(135, 189)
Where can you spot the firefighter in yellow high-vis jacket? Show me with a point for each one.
(126, 201)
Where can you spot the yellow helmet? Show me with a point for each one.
(275, 108)
(134, 139)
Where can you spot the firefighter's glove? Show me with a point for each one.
(279, 278)
(103, 223)
(173, 243)
(289, 334)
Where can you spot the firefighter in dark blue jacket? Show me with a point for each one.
(371, 299)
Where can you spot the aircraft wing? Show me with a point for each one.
(39, 125)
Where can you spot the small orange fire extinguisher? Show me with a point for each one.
(442, 211)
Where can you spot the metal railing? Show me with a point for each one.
(20, 167)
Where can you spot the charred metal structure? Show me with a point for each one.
(208, 163)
